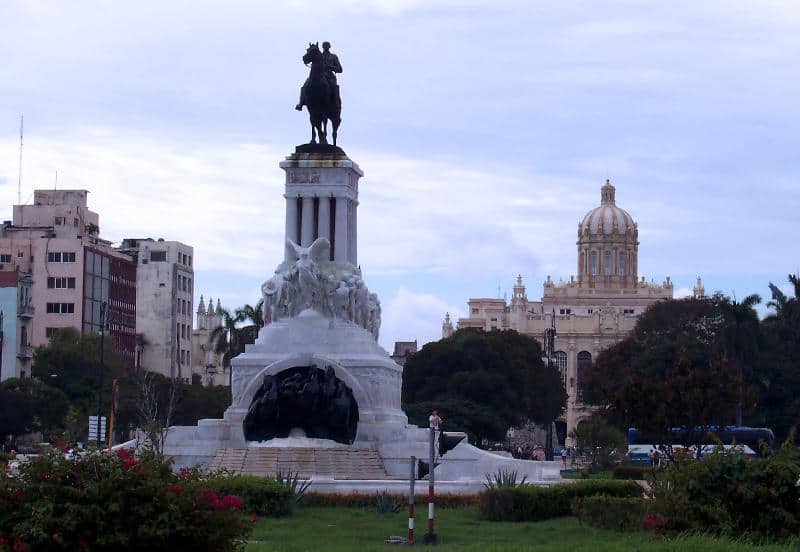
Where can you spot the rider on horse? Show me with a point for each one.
(332, 66)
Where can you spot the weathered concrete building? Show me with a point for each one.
(73, 271)
(164, 292)
(16, 312)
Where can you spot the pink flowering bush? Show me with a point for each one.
(118, 502)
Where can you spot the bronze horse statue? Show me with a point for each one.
(321, 97)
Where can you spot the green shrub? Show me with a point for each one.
(261, 495)
(628, 471)
(535, 503)
(104, 503)
(610, 512)
(504, 479)
(297, 486)
(386, 503)
(728, 493)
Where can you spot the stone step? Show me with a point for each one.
(336, 463)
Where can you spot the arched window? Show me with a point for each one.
(584, 362)
(607, 265)
(594, 263)
(621, 263)
(583, 262)
(23, 336)
(560, 360)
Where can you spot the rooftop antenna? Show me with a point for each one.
(19, 180)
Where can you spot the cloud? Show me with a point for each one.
(409, 315)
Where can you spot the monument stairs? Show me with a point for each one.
(334, 463)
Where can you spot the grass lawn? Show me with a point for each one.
(355, 529)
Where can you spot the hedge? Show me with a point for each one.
(627, 471)
(535, 503)
(261, 495)
(610, 512)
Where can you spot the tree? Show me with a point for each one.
(28, 405)
(673, 371)
(254, 314)
(229, 340)
(71, 362)
(600, 440)
(779, 366)
(482, 383)
(740, 337)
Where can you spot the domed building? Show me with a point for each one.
(591, 311)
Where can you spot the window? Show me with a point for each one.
(627, 311)
(589, 311)
(607, 263)
(59, 221)
(474, 311)
(594, 264)
(158, 256)
(560, 360)
(584, 363)
(50, 332)
(5, 258)
(60, 308)
(621, 263)
(20, 254)
(60, 282)
(95, 293)
(61, 257)
(190, 260)
(565, 311)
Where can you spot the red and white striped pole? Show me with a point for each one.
(411, 481)
(430, 536)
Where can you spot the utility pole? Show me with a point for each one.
(103, 306)
(549, 347)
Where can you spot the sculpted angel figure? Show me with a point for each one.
(309, 276)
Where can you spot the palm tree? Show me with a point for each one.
(225, 338)
(230, 339)
(253, 314)
(740, 339)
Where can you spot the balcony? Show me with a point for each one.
(24, 352)
(25, 311)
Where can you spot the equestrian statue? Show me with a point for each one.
(320, 93)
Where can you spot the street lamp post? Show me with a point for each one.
(103, 306)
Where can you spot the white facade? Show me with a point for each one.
(164, 291)
(206, 362)
(592, 311)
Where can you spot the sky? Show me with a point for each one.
(485, 130)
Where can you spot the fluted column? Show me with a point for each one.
(324, 220)
(307, 221)
(291, 221)
(340, 248)
(354, 246)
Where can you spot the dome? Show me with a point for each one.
(607, 218)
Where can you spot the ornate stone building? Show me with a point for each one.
(592, 310)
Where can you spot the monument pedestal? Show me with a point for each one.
(318, 354)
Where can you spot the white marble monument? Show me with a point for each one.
(320, 314)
